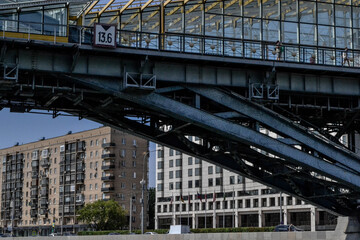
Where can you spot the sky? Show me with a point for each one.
(26, 127)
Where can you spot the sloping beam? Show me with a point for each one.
(282, 126)
(146, 4)
(91, 7)
(101, 11)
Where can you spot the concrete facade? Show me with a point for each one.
(44, 180)
(246, 203)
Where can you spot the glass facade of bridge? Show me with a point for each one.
(314, 32)
(319, 29)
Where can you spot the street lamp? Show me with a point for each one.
(143, 182)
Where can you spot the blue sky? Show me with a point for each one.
(25, 127)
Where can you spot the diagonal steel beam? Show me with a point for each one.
(283, 126)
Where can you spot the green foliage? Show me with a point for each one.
(241, 229)
(103, 215)
(200, 230)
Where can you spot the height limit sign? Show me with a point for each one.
(105, 35)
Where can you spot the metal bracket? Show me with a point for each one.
(138, 80)
(256, 90)
(11, 72)
(272, 92)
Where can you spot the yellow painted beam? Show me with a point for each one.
(146, 4)
(91, 7)
(105, 7)
(126, 6)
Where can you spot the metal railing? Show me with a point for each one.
(194, 44)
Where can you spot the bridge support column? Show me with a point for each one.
(313, 219)
(347, 228)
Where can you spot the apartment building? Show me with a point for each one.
(193, 192)
(45, 183)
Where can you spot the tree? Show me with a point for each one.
(103, 215)
(151, 204)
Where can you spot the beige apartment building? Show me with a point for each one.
(45, 183)
(193, 192)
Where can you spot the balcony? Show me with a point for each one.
(107, 189)
(107, 156)
(45, 163)
(108, 178)
(108, 145)
(44, 182)
(108, 167)
(35, 163)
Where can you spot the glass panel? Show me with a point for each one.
(193, 19)
(252, 28)
(356, 39)
(233, 27)
(343, 38)
(290, 32)
(342, 15)
(213, 7)
(356, 17)
(30, 21)
(271, 30)
(8, 21)
(306, 12)
(271, 9)
(55, 20)
(130, 22)
(151, 19)
(325, 14)
(252, 9)
(288, 8)
(233, 8)
(213, 25)
(173, 19)
(307, 34)
(326, 36)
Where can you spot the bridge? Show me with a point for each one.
(283, 114)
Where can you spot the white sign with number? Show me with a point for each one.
(105, 35)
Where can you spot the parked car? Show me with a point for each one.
(287, 228)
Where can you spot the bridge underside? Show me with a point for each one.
(290, 146)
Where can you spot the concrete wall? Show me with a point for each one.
(328, 235)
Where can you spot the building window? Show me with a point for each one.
(171, 175)
(210, 182)
(247, 203)
(240, 179)
(122, 185)
(289, 201)
(171, 163)
(171, 152)
(160, 187)
(90, 187)
(160, 176)
(160, 153)
(171, 186)
(210, 170)
(232, 179)
(178, 185)
(178, 153)
(197, 161)
(240, 203)
(134, 163)
(218, 169)
(218, 181)
(255, 202)
(91, 143)
(134, 143)
(160, 165)
(190, 160)
(97, 142)
(197, 183)
(197, 172)
(178, 162)
(133, 186)
(178, 173)
(264, 202)
(134, 153)
(189, 184)
(104, 140)
(190, 172)
(272, 202)
(122, 153)
(123, 141)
